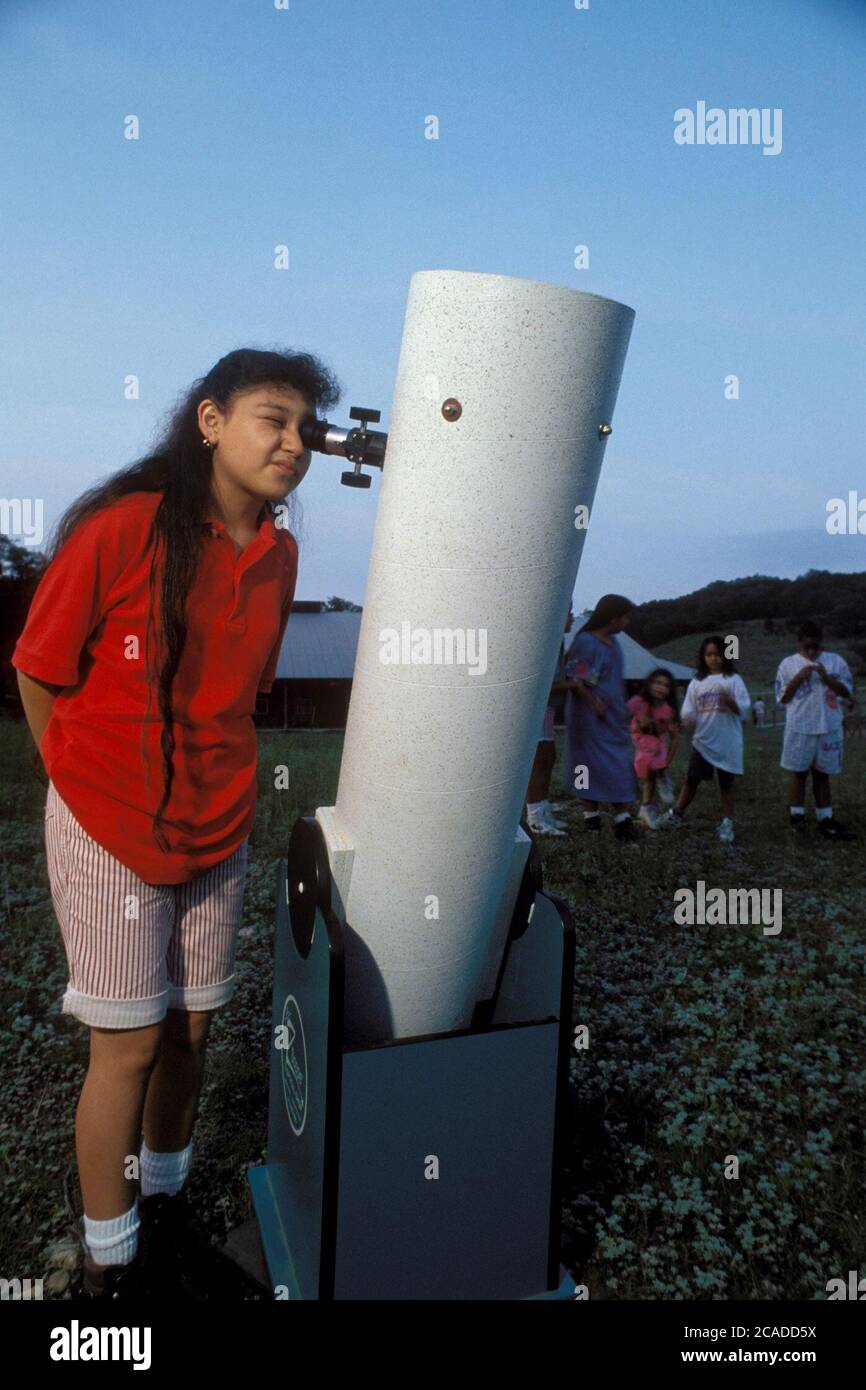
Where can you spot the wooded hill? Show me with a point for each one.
(836, 601)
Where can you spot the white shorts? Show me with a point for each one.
(178, 953)
(823, 752)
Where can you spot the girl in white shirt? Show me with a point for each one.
(716, 703)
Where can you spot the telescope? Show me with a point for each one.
(361, 445)
(421, 1018)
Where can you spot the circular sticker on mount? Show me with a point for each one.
(294, 1065)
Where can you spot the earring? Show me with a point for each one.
(207, 443)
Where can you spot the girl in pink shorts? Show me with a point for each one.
(654, 726)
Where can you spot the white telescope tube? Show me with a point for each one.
(475, 537)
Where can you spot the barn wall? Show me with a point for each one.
(318, 704)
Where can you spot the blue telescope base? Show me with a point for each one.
(424, 1167)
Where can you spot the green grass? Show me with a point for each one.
(705, 1042)
(711, 1041)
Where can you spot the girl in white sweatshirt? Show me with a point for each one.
(716, 703)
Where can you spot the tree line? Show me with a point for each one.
(836, 601)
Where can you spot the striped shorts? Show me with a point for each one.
(176, 950)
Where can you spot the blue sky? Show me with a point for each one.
(306, 127)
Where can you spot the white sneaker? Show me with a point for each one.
(648, 816)
(725, 831)
(545, 817)
(670, 821)
(664, 789)
(542, 825)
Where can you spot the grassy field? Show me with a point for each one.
(705, 1042)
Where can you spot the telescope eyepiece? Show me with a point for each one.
(362, 446)
(313, 434)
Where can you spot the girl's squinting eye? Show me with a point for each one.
(273, 419)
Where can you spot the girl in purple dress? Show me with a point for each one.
(600, 754)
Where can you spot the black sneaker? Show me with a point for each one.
(113, 1281)
(625, 830)
(129, 1281)
(832, 829)
(593, 824)
(797, 822)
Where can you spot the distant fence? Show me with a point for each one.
(853, 723)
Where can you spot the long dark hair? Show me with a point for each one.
(672, 699)
(728, 666)
(609, 607)
(179, 467)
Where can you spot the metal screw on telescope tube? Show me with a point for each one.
(604, 431)
(452, 409)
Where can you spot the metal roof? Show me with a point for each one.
(319, 647)
(322, 646)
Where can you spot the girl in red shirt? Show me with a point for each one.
(157, 620)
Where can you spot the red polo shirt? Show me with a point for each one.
(86, 631)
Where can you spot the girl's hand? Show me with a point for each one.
(727, 702)
(598, 706)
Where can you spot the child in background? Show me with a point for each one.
(716, 703)
(597, 718)
(654, 733)
(811, 684)
(540, 817)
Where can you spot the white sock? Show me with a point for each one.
(113, 1242)
(590, 815)
(620, 816)
(164, 1172)
(797, 810)
(824, 812)
(536, 808)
